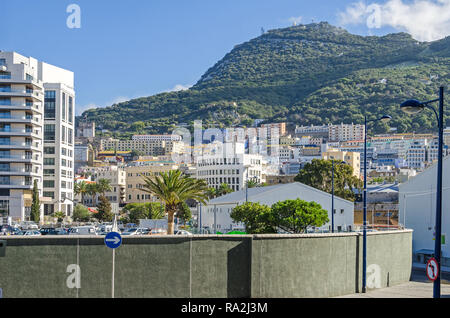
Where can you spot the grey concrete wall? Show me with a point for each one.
(316, 265)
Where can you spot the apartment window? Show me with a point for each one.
(49, 150)
(63, 134)
(69, 135)
(49, 172)
(63, 184)
(5, 140)
(4, 208)
(4, 180)
(70, 109)
(49, 161)
(64, 162)
(49, 132)
(49, 183)
(50, 105)
(4, 166)
(2, 62)
(64, 151)
(63, 106)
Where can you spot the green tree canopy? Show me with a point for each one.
(295, 216)
(173, 188)
(317, 174)
(148, 210)
(81, 213)
(35, 205)
(257, 217)
(104, 210)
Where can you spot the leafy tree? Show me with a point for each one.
(103, 186)
(211, 193)
(35, 205)
(92, 190)
(224, 188)
(82, 189)
(59, 215)
(104, 210)
(295, 216)
(184, 212)
(257, 217)
(172, 188)
(149, 210)
(81, 213)
(317, 174)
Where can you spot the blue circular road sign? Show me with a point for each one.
(113, 240)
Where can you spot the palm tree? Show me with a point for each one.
(92, 189)
(224, 189)
(103, 186)
(173, 188)
(81, 188)
(211, 192)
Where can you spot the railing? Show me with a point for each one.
(19, 157)
(20, 144)
(22, 131)
(16, 183)
(5, 76)
(20, 118)
(20, 170)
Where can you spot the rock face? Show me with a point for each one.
(305, 74)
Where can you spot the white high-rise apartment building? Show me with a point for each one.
(37, 104)
(233, 167)
(344, 132)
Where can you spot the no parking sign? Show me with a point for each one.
(432, 269)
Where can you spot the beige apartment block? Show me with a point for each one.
(134, 178)
(351, 158)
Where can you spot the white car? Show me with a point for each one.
(32, 233)
(183, 232)
(28, 225)
(136, 231)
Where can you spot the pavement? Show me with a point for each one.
(418, 287)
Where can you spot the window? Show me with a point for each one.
(49, 183)
(2, 62)
(69, 136)
(64, 151)
(4, 180)
(49, 172)
(4, 208)
(63, 106)
(63, 184)
(4, 166)
(63, 162)
(70, 109)
(49, 132)
(49, 150)
(49, 161)
(50, 104)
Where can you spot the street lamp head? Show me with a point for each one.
(412, 106)
(385, 118)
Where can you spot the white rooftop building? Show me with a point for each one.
(216, 214)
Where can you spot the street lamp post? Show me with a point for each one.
(384, 118)
(332, 193)
(413, 106)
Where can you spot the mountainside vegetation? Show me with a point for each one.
(305, 74)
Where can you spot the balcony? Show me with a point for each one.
(37, 95)
(21, 119)
(19, 132)
(19, 158)
(18, 172)
(21, 106)
(16, 184)
(20, 145)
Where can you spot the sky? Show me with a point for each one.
(120, 50)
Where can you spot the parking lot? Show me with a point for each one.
(29, 228)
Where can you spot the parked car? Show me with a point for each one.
(48, 231)
(158, 232)
(183, 232)
(28, 225)
(137, 231)
(82, 230)
(62, 231)
(30, 233)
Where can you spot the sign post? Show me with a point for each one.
(113, 240)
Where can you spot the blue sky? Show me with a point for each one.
(127, 49)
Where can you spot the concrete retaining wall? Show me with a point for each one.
(316, 265)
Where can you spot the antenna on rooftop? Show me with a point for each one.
(262, 31)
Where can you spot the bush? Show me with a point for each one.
(81, 213)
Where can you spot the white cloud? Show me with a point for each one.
(295, 20)
(425, 20)
(179, 87)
